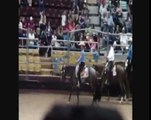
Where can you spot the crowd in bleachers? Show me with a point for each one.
(51, 20)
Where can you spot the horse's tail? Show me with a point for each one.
(95, 84)
(127, 85)
(98, 91)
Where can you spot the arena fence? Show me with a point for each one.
(30, 59)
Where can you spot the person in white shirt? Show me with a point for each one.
(124, 41)
(31, 35)
(20, 24)
(110, 61)
(54, 40)
(63, 19)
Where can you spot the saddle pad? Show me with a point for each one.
(84, 73)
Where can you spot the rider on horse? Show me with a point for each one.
(110, 60)
(81, 60)
(130, 56)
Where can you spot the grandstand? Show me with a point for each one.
(31, 61)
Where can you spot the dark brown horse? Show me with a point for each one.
(120, 78)
(69, 70)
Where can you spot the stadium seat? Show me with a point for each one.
(31, 67)
(36, 59)
(37, 68)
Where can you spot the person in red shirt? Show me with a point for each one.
(24, 26)
(31, 24)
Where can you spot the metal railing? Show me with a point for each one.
(63, 47)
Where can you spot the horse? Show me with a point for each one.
(120, 78)
(70, 70)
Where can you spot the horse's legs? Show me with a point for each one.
(77, 88)
(122, 92)
(108, 93)
(71, 90)
(70, 94)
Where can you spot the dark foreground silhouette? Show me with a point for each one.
(72, 112)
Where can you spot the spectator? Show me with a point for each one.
(24, 3)
(110, 23)
(42, 22)
(20, 23)
(49, 32)
(95, 55)
(24, 26)
(78, 35)
(30, 2)
(65, 33)
(76, 20)
(103, 9)
(128, 25)
(63, 19)
(75, 5)
(81, 4)
(100, 2)
(54, 39)
(87, 21)
(31, 35)
(92, 46)
(86, 10)
(119, 14)
(82, 21)
(31, 24)
(71, 27)
(41, 6)
(60, 35)
(37, 33)
(123, 40)
(115, 2)
(104, 23)
(70, 15)
(103, 13)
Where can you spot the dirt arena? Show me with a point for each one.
(33, 104)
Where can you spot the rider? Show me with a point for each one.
(110, 59)
(81, 60)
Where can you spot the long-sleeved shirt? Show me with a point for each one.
(82, 57)
(130, 53)
(111, 56)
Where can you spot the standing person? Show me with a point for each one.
(41, 6)
(42, 22)
(64, 19)
(81, 61)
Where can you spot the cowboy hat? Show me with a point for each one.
(82, 43)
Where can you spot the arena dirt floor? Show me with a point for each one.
(33, 104)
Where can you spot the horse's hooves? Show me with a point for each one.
(121, 102)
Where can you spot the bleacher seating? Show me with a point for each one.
(34, 65)
(53, 10)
